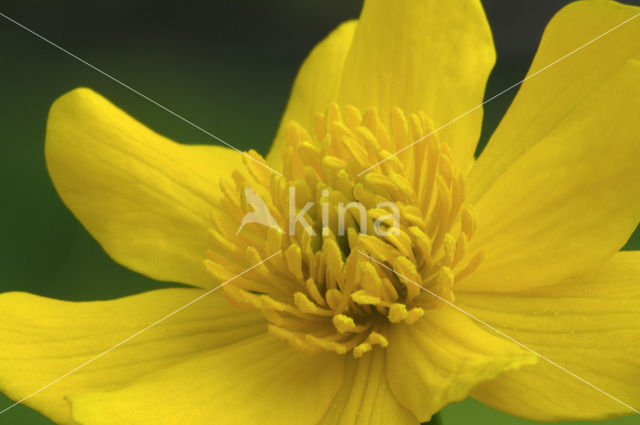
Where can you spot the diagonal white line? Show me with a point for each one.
(137, 92)
(501, 333)
(274, 171)
(137, 333)
(500, 94)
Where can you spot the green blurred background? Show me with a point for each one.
(225, 65)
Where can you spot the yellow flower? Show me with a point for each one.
(332, 329)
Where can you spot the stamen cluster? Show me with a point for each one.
(323, 292)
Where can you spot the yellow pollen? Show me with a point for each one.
(408, 213)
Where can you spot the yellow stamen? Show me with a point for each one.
(409, 213)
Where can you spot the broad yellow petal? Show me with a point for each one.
(444, 355)
(145, 199)
(316, 85)
(43, 339)
(428, 55)
(364, 397)
(545, 99)
(589, 325)
(258, 381)
(571, 201)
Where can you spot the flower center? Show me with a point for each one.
(356, 243)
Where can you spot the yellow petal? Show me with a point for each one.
(444, 355)
(571, 201)
(589, 325)
(316, 85)
(258, 381)
(427, 55)
(364, 397)
(43, 339)
(544, 100)
(145, 199)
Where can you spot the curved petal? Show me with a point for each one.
(316, 85)
(440, 358)
(146, 200)
(428, 55)
(589, 325)
(43, 339)
(364, 397)
(261, 380)
(543, 101)
(571, 201)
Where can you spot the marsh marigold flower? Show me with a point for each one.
(332, 328)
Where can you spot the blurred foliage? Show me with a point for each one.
(226, 66)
